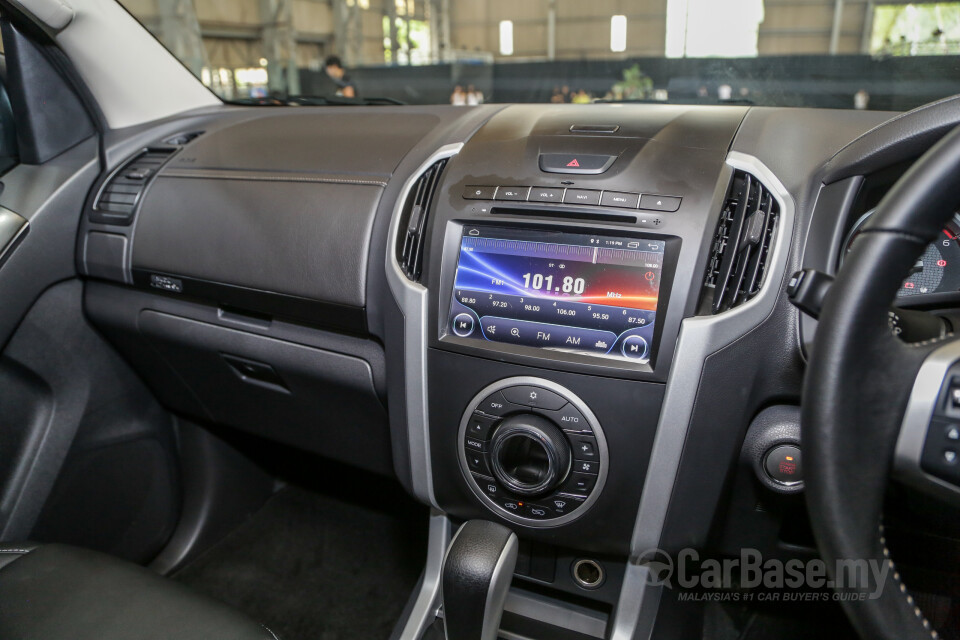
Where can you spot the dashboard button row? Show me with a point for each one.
(496, 406)
(618, 199)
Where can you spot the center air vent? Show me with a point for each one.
(741, 246)
(416, 213)
(119, 197)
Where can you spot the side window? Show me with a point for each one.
(9, 157)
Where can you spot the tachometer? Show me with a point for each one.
(936, 271)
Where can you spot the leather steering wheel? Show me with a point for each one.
(869, 396)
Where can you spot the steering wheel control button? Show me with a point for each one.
(581, 196)
(668, 204)
(635, 348)
(534, 397)
(582, 163)
(479, 426)
(584, 448)
(463, 325)
(477, 192)
(512, 193)
(783, 464)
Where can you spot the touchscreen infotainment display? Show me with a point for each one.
(580, 293)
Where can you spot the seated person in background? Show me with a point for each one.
(335, 71)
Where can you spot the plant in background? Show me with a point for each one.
(636, 85)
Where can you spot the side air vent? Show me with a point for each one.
(741, 246)
(416, 212)
(120, 195)
(183, 138)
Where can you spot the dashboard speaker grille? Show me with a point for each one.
(416, 212)
(121, 194)
(741, 245)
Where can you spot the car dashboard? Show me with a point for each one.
(424, 291)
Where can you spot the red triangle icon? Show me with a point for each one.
(573, 163)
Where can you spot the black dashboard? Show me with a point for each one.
(567, 318)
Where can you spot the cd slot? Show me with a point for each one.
(578, 214)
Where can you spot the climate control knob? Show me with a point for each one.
(529, 454)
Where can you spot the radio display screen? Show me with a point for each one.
(588, 294)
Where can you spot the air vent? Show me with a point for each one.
(183, 138)
(119, 196)
(415, 215)
(741, 246)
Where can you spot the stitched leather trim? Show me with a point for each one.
(903, 588)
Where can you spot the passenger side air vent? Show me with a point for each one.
(120, 195)
(416, 213)
(741, 246)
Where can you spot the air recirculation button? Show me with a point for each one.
(529, 455)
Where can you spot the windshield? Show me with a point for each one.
(852, 54)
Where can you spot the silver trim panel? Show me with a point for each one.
(13, 227)
(413, 300)
(916, 422)
(424, 610)
(576, 402)
(499, 587)
(699, 337)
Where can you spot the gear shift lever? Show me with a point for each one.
(477, 572)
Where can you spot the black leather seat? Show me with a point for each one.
(54, 592)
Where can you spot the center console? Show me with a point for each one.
(542, 309)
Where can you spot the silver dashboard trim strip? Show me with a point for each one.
(699, 337)
(424, 610)
(13, 227)
(413, 300)
(499, 588)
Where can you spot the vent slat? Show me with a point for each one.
(742, 241)
(121, 194)
(417, 214)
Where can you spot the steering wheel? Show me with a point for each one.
(875, 406)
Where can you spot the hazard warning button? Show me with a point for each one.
(585, 164)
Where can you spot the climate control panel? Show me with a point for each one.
(533, 452)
